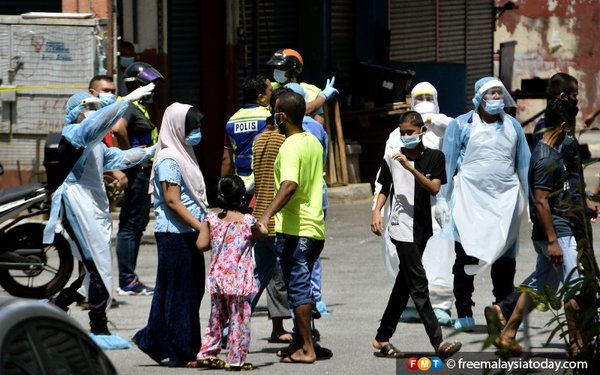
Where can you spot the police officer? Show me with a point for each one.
(243, 127)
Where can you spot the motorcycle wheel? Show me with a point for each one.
(57, 260)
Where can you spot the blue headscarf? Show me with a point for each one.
(74, 107)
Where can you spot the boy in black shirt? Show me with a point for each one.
(415, 173)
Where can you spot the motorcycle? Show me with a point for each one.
(28, 267)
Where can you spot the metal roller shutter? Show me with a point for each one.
(268, 25)
(452, 31)
(465, 34)
(184, 51)
(413, 33)
(480, 42)
(342, 42)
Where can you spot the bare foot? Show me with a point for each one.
(379, 344)
(501, 317)
(299, 356)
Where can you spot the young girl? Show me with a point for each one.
(230, 282)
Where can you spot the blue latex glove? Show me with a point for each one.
(329, 91)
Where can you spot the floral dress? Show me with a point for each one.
(232, 263)
(231, 285)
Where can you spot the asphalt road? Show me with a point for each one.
(355, 288)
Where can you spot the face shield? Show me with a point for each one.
(489, 90)
(424, 99)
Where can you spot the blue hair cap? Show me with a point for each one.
(74, 106)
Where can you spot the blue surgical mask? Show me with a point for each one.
(194, 137)
(412, 141)
(494, 107)
(279, 76)
(106, 98)
(125, 61)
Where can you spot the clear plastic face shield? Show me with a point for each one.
(424, 98)
(90, 106)
(493, 94)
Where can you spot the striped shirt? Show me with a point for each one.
(264, 152)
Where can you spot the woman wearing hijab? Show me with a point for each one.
(172, 335)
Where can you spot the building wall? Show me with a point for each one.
(554, 36)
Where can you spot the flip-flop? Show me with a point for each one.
(493, 321)
(322, 353)
(388, 351)
(285, 352)
(289, 359)
(276, 338)
(513, 348)
(448, 349)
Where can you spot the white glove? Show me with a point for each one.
(442, 212)
(329, 91)
(150, 150)
(139, 93)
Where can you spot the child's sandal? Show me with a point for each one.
(245, 367)
(210, 362)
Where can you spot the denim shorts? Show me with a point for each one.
(548, 274)
(298, 256)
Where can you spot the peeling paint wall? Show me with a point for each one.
(554, 36)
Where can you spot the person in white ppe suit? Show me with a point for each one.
(81, 203)
(439, 252)
(487, 159)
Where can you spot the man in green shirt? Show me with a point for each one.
(298, 211)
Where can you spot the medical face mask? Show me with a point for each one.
(494, 107)
(279, 76)
(411, 142)
(106, 98)
(194, 137)
(425, 107)
(88, 114)
(126, 61)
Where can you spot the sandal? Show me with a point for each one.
(448, 349)
(512, 348)
(494, 320)
(245, 367)
(210, 363)
(284, 337)
(388, 351)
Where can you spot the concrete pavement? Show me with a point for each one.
(355, 288)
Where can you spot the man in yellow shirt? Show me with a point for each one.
(298, 211)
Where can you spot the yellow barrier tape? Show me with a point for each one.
(41, 87)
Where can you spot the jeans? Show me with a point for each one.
(298, 256)
(134, 216)
(546, 273)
